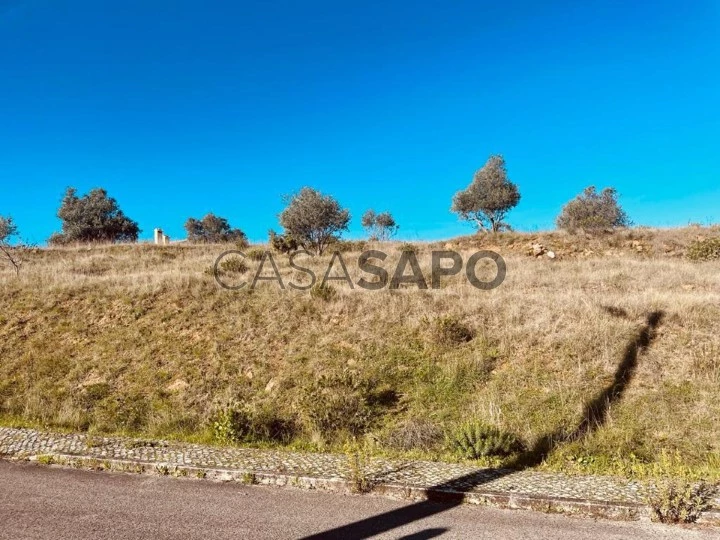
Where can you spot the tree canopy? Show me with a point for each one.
(94, 217)
(214, 230)
(313, 220)
(488, 198)
(380, 226)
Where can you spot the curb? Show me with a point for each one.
(514, 501)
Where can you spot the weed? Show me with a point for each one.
(707, 249)
(324, 292)
(474, 440)
(678, 501)
(450, 330)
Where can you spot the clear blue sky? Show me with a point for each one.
(180, 107)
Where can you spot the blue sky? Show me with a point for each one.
(181, 107)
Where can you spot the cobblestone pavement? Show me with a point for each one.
(26, 443)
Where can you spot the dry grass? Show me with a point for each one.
(140, 339)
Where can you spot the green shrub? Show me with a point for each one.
(324, 292)
(337, 403)
(450, 330)
(230, 424)
(237, 422)
(255, 254)
(283, 243)
(473, 440)
(234, 265)
(704, 250)
(679, 501)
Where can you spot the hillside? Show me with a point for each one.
(140, 339)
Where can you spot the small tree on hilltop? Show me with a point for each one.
(13, 253)
(94, 217)
(213, 229)
(593, 211)
(380, 226)
(489, 197)
(313, 220)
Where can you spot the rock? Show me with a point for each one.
(551, 254)
(271, 385)
(537, 249)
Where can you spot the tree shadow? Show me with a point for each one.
(450, 494)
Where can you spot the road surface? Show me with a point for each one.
(41, 502)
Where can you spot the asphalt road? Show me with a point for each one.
(41, 502)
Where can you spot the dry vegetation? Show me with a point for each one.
(140, 339)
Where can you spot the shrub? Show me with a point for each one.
(337, 403)
(234, 265)
(314, 220)
(94, 217)
(255, 254)
(283, 243)
(214, 229)
(407, 247)
(237, 422)
(414, 434)
(475, 439)
(704, 250)
(489, 197)
(592, 211)
(679, 501)
(449, 330)
(347, 246)
(324, 292)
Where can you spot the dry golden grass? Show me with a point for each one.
(140, 339)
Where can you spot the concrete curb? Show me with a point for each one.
(515, 501)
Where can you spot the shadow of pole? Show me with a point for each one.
(450, 494)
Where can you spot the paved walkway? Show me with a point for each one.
(409, 479)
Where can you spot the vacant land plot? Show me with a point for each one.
(608, 354)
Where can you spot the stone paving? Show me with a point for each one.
(26, 443)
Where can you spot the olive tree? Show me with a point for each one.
(12, 249)
(593, 211)
(380, 226)
(488, 198)
(214, 230)
(94, 217)
(313, 220)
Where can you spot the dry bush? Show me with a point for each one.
(414, 434)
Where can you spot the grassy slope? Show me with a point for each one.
(138, 339)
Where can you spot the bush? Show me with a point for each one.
(214, 229)
(237, 422)
(414, 434)
(679, 501)
(449, 330)
(339, 403)
(283, 243)
(324, 292)
(593, 211)
(234, 265)
(407, 247)
(475, 439)
(704, 250)
(255, 254)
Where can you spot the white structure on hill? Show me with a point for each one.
(161, 239)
